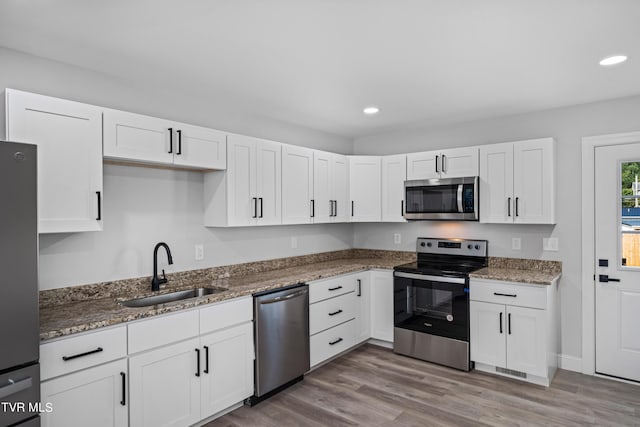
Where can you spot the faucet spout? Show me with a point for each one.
(157, 281)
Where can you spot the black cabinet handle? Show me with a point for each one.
(505, 295)
(170, 140)
(254, 200)
(335, 208)
(87, 353)
(313, 208)
(437, 171)
(179, 142)
(123, 376)
(509, 323)
(444, 164)
(509, 206)
(99, 196)
(206, 359)
(336, 341)
(401, 207)
(352, 208)
(335, 312)
(336, 288)
(261, 207)
(517, 198)
(197, 362)
(359, 287)
(500, 322)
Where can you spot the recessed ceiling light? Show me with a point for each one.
(371, 110)
(613, 60)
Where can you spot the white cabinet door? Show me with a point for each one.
(340, 183)
(241, 181)
(365, 188)
(534, 181)
(297, 185)
(164, 388)
(363, 305)
(487, 333)
(69, 139)
(92, 397)
(394, 173)
(322, 186)
(382, 305)
(129, 136)
(269, 184)
(496, 183)
(526, 340)
(200, 147)
(459, 162)
(423, 165)
(227, 361)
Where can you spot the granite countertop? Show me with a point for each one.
(538, 272)
(61, 315)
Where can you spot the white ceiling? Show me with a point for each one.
(318, 63)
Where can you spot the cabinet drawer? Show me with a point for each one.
(333, 341)
(225, 314)
(323, 289)
(333, 311)
(82, 351)
(162, 330)
(508, 293)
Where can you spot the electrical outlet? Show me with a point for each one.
(516, 243)
(199, 249)
(294, 242)
(550, 244)
(397, 238)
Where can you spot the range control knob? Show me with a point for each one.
(469, 246)
(429, 244)
(477, 247)
(422, 244)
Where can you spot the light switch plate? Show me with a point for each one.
(397, 238)
(550, 244)
(199, 252)
(516, 243)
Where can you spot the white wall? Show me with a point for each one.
(568, 126)
(143, 206)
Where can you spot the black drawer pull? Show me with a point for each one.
(179, 142)
(505, 295)
(336, 288)
(336, 341)
(75, 356)
(206, 359)
(500, 322)
(123, 402)
(509, 322)
(335, 312)
(99, 195)
(197, 362)
(170, 140)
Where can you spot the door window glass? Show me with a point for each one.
(630, 214)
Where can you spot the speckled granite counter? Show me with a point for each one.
(519, 270)
(82, 308)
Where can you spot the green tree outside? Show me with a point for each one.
(628, 176)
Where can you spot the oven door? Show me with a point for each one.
(432, 304)
(448, 198)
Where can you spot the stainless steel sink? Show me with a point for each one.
(170, 297)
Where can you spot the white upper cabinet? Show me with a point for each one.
(453, 163)
(69, 139)
(394, 173)
(249, 191)
(297, 185)
(330, 187)
(143, 139)
(517, 182)
(364, 188)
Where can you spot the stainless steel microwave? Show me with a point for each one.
(441, 199)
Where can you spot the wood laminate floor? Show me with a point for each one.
(372, 386)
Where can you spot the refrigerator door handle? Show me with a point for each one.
(15, 386)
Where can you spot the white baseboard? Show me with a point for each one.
(570, 363)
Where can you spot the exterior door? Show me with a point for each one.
(617, 260)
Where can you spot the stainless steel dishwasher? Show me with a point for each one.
(281, 322)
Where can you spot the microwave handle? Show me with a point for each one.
(460, 199)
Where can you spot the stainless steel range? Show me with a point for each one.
(431, 301)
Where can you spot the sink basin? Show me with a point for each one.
(170, 297)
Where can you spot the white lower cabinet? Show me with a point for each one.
(513, 329)
(363, 306)
(381, 289)
(92, 397)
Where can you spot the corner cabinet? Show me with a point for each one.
(394, 173)
(137, 138)
(248, 192)
(365, 183)
(514, 329)
(517, 182)
(453, 163)
(330, 187)
(69, 139)
(297, 185)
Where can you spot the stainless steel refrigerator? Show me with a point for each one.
(19, 328)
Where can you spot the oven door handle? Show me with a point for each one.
(460, 199)
(444, 279)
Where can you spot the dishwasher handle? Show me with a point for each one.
(291, 295)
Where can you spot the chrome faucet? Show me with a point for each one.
(156, 281)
